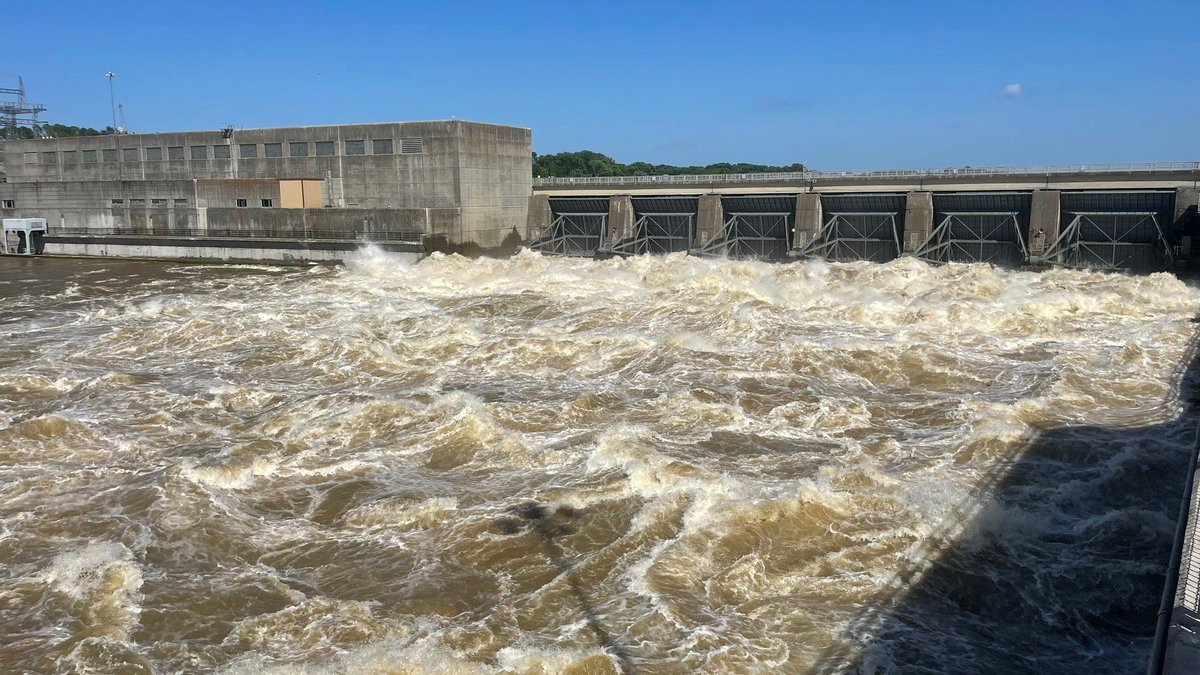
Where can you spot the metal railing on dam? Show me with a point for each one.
(958, 172)
(407, 236)
(1176, 648)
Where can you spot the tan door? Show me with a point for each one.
(291, 194)
(312, 194)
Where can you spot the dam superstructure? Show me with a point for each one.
(1122, 216)
(305, 192)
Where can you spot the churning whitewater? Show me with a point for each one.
(544, 465)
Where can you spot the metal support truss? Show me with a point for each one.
(977, 237)
(658, 233)
(575, 234)
(1112, 240)
(853, 235)
(751, 235)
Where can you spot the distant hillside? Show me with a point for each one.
(588, 163)
(58, 131)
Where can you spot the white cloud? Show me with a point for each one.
(1012, 90)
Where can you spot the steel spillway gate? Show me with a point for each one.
(858, 227)
(660, 225)
(1114, 230)
(978, 228)
(578, 227)
(757, 227)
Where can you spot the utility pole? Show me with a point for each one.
(112, 102)
(112, 99)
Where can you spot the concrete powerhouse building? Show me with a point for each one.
(282, 193)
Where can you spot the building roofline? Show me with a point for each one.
(308, 126)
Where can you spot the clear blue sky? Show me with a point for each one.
(837, 85)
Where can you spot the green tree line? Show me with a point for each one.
(589, 163)
(58, 131)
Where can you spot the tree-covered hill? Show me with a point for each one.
(58, 131)
(589, 163)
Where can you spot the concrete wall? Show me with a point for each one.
(539, 217)
(1044, 221)
(496, 180)
(481, 171)
(204, 250)
(620, 218)
(808, 220)
(329, 223)
(710, 220)
(918, 219)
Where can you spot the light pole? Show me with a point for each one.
(112, 100)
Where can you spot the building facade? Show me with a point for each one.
(464, 183)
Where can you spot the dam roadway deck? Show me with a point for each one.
(1028, 177)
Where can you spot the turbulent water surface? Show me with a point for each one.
(537, 465)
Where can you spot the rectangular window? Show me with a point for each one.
(381, 146)
(175, 152)
(118, 201)
(220, 152)
(109, 154)
(89, 156)
(49, 158)
(153, 154)
(356, 148)
(298, 149)
(241, 203)
(10, 203)
(159, 202)
(324, 148)
(180, 202)
(129, 154)
(412, 146)
(247, 150)
(273, 149)
(70, 156)
(137, 202)
(266, 203)
(31, 158)
(199, 152)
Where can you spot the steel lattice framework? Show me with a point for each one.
(752, 235)
(658, 233)
(975, 237)
(852, 236)
(575, 234)
(1112, 240)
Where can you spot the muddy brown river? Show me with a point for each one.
(547, 465)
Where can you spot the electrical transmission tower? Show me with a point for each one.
(14, 114)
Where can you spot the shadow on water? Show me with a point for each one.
(1060, 570)
(547, 525)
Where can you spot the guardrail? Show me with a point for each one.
(397, 236)
(1025, 170)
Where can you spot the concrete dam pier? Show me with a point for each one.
(1139, 217)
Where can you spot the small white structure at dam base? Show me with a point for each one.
(24, 227)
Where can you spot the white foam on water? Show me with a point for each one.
(753, 453)
(103, 583)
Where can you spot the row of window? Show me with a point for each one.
(379, 146)
(12, 203)
(142, 202)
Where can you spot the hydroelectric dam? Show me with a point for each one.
(1127, 216)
